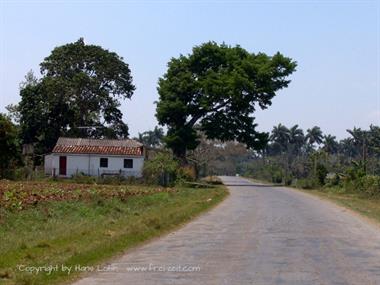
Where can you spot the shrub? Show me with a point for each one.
(369, 185)
(332, 179)
(321, 173)
(162, 169)
(187, 173)
(306, 183)
(288, 180)
(277, 177)
(357, 170)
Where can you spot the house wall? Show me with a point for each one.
(90, 164)
(48, 163)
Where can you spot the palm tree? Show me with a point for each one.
(348, 148)
(152, 138)
(296, 138)
(281, 136)
(374, 140)
(330, 145)
(314, 135)
(360, 139)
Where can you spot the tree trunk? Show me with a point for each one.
(180, 154)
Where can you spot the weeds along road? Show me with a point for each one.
(258, 235)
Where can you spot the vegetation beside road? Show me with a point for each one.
(314, 160)
(79, 224)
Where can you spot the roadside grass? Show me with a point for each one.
(88, 232)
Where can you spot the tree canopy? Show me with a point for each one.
(291, 156)
(218, 87)
(314, 135)
(9, 145)
(81, 86)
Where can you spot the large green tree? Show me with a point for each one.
(9, 146)
(81, 86)
(218, 87)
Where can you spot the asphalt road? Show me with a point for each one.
(258, 235)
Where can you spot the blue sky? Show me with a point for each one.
(336, 45)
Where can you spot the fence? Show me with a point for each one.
(99, 172)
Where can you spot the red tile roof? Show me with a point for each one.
(98, 146)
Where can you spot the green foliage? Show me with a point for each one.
(219, 87)
(10, 155)
(82, 85)
(330, 145)
(333, 180)
(306, 183)
(291, 155)
(286, 140)
(162, 169)
(369, 185)
(357, 170)
(314, 135)
(268, 171)
(321, 173)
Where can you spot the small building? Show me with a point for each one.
(95, 157)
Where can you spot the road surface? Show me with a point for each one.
(258, 235)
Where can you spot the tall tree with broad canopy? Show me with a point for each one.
(82, 85)
(218, 87)
(9, 146)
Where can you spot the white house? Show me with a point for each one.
(95, 157)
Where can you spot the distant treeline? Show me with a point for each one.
(311, 159)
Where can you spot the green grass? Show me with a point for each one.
(90, 232)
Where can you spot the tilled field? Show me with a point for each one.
(21, 195)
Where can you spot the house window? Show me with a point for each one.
(104, 162)
(128, 163)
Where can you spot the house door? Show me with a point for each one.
(62, 165)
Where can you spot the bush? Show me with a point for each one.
(162, 170)
(356, 171)
(369, 185)
(321, 174)
(306, 183)
(187, 173)
(277, 177)
(288, 180)
(332, 179)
